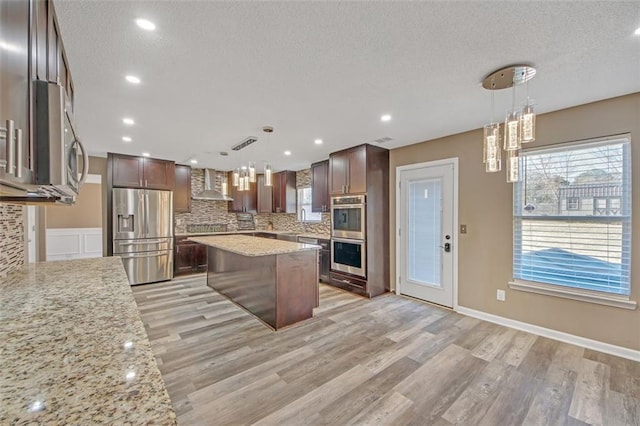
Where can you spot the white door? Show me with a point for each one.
(425, 236)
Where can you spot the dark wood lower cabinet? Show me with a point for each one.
(325, 260)
(190, 257)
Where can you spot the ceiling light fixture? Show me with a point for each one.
(318, 141)
(145, 24)
(126, 139)
(146, 154)
(287, 153)
(128, 121)
(637, 31)
(133, 79)
(244, 175)
(519, 125)
(194, 161)
(385, 117)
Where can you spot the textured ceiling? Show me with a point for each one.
(214, 73)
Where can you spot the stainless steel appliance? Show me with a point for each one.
(143, 233)
(57, 164)
(349, 256)
(348, 217)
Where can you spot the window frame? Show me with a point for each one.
(565, 291)
(310, 216)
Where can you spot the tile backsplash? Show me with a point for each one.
(217, 211)
(11, 238)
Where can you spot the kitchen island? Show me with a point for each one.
(74, 349)
(277, 281)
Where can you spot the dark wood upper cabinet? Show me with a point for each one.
(139, 172)
(348, 171)
(284, 192)
(159, 174)
(243, 201)
(265, 196)
(182, 191)
(127, 171)
(320, 187)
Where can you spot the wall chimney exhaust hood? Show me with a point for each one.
(210, 193)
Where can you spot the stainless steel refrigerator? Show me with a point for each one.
(143, 233)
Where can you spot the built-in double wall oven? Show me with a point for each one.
(348, 236)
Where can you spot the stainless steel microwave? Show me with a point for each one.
(58, 164)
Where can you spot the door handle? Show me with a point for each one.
(446, 247)
(10, 155)
(18, 172)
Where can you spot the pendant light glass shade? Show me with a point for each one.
(246, 180)
(241, 186)
(236, 177)
(252, 172)
(225, 185)
(267, 175)
(528, 123)
(513, 166)
(512, 132)
(491, 151)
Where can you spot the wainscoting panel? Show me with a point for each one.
(74, 243)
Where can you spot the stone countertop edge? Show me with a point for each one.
(74, 349)
(303, 234)
(253, 246)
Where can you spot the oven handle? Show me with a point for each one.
(347, 206)
(347, 240)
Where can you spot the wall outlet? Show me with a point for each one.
(500, 295)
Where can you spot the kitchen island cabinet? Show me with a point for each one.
(74, 349)
(277, 281)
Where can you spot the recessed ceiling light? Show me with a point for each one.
(128, 121)
(244, 167)
(287, 153)
(146, 154)
(637, 31)
(145, 24)
(194, 161)
(318, 141)
(385, 117)
(126, 139)
(133, 79)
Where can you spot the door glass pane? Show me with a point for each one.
(424, 233)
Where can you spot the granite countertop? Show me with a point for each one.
(306, 235)
(252, 246)
(74, 349)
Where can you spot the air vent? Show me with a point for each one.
(245, 143)
(383, 140)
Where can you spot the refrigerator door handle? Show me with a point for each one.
(146, 212)
(145, 242)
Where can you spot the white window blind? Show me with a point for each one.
(572, 216)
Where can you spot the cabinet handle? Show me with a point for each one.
(18, 172)
(140, 182)
(145, 183)
(10, 165)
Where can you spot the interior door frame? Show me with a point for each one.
(456, 235)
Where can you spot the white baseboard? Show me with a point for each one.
(553, 334)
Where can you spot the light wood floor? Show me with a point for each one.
(391, 360)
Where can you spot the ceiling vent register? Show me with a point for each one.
(245, 143)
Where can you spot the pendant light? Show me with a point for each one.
(491, 153)
(528, 121)
(519, 125)
(268, 175)
(252, 172)
(236, 177)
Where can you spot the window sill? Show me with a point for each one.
(574, 294)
